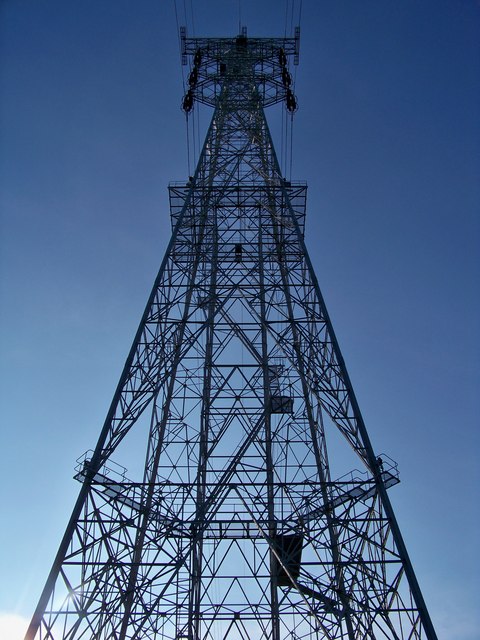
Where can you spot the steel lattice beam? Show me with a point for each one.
(237, 528)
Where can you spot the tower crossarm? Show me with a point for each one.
(260, 62)
(348, 489)
(233, 523)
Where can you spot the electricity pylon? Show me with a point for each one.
(238, 526)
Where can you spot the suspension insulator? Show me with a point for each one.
(286, 78)
(291, 101)
(187, 104)
(193, 77)
(197, 58)
(282, 58)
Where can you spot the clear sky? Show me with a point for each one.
(387, 136)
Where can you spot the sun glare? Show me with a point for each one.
(12, 626)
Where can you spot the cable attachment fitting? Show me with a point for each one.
(187, 104)
(291, 101)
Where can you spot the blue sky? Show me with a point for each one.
(387, 136)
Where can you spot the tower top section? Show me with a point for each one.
(216, 62)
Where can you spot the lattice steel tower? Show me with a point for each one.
(238, 525)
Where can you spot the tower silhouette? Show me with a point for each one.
(249, 517)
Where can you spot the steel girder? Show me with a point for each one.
(236, 528)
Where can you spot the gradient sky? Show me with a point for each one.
(387, 136)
